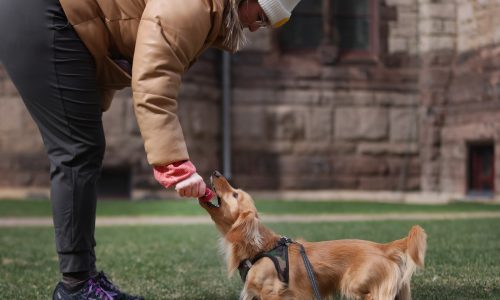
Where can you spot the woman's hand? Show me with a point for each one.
(193, 186)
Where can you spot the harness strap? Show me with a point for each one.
(310, 273)
(278, 253)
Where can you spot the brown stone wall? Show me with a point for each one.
(302, 124)
(22, 158)
(472, 114)
(459, 88)
(437, 36)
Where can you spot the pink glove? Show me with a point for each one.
(170, 175)
(183, 175)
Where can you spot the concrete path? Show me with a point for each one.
(187, 220)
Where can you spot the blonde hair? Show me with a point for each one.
(235, 37)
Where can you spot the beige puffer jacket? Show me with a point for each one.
(161, 38)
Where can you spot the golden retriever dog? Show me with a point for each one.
(355, 269)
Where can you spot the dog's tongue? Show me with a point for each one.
(208, 195)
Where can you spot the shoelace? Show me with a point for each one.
(106, 283)
(95, 289)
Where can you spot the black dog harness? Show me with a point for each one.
(279, 256)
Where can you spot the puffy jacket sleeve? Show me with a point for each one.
(170, 36)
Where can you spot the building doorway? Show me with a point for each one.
(481, 169)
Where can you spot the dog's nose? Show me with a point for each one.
(217, 174)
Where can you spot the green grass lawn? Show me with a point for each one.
(191, 207)
(183, 262)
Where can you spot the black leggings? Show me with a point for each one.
(56, 77)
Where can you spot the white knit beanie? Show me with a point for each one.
(278, 11)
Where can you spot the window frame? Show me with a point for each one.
(329, 39)
(374, 43)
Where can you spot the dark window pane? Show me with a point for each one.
(354, 33)
(304, 30)
(481, 168)
(308, 7)
(487, 157)
(352, 20)
(351, 7)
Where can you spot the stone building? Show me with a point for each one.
(399, 96)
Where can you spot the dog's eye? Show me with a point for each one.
(235, 195)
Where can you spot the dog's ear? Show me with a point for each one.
(246, 227)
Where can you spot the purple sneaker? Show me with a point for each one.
(112, 289)
(90, 291)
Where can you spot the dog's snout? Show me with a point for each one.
(217, 174)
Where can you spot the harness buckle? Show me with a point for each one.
(285, 241)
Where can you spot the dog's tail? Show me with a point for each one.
(416, 245)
